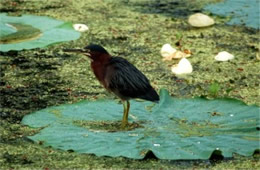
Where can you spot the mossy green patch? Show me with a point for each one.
(107, 126)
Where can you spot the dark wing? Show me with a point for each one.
(126, 81)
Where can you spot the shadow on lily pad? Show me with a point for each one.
(174, 129)
(28, 32)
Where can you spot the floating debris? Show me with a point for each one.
(258, 55)
(180, 54)
(200, 20)
(183, 67)
(133, 134)
(168, 53)
(224, 56)
(80, 27)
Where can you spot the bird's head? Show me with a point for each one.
(93, 51)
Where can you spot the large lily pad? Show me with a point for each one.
(28, 32)
(173, 129)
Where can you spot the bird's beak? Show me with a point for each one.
(81, 51)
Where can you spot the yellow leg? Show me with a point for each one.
(126, 105)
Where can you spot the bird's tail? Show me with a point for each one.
(151, 95)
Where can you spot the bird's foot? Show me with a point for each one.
(124, 124)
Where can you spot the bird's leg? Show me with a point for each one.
(126, 105)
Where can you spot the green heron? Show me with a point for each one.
(118, 76)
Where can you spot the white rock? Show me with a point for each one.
(80, 27)
(200, 20)
(167, 51)
(224, 56)
(183, 67)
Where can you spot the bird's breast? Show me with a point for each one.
(99, 70)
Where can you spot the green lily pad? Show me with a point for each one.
(173, 129)
(28, 32)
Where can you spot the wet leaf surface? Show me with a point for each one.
(185, 126)
(28, 32)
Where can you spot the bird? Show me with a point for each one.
(118, 76)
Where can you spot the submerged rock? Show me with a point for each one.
(200, 20)
(183, 67)
(224, 56)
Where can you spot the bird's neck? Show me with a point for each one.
(103, 58)
(98, 57)
(99, 66)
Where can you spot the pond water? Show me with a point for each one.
(242, 12)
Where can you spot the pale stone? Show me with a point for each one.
(200, 20)
(80, 27)
(183, 67)
(224, 56)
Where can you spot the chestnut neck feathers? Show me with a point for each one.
(100, 57)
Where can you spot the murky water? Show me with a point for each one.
(240, 12)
